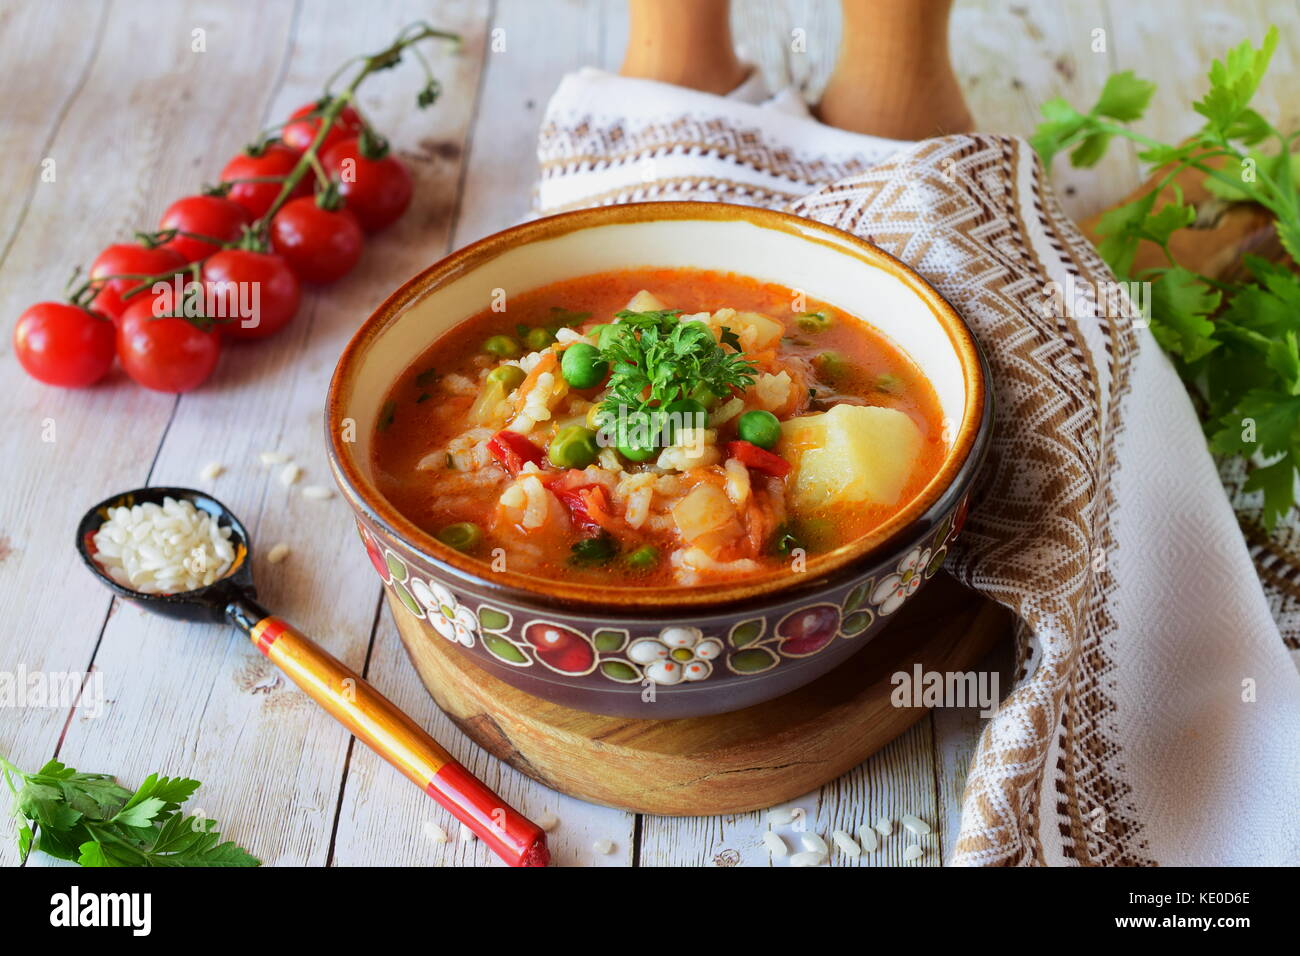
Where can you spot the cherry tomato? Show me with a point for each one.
(257, 288)
(298, 133)
(275, 159)
(62, 344)
(128, 259)
(320, 245)
(165, 353)
(377, 190)
(210, 216)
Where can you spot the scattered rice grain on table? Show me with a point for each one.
(780, 816)
(317, 493)
(914, 824)
(775, 845)
(289, 474)
(603, 847)
(885, 826)
(913, 852)
(163, 549)
(548, 821)
(278, 553)
(846, 843)
(868, 838)
(269, 458)
(212, 470)
(808, 858)
(814, 843)
(435, 833)
(466, 834)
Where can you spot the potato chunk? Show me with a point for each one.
(851, 453)
(644, 301)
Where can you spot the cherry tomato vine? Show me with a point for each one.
(293, 206)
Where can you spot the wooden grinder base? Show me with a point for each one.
(728, 763)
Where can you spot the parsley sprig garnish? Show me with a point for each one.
(655, 359)
(1234, 343)
(89, 819)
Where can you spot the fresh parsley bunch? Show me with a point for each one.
(89, 819)
(657, 359)
(1235, 344)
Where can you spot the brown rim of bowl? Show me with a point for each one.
(367, 499)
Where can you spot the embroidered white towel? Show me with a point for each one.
(1156, 715)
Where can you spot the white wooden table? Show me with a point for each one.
(131, 117)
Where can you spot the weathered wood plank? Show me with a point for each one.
(36, 99)
(519, 74)
(897, 780)
(198, 699)
(65, 450)
(1011, 57)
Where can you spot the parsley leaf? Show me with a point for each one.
(1235, 343)
(88, 818)
(656, 359)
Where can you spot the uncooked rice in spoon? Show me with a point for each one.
(163, 549)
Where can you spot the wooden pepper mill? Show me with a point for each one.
(892, 78)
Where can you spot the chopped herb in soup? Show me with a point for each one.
(657, 427)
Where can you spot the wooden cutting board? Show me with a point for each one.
(728, 763)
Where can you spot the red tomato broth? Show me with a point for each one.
(418, 418)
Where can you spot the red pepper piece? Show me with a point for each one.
(584, 504)
(759, 459)
(513, 451)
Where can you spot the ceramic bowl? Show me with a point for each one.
(604, 649)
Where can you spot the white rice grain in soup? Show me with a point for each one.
(775, 845)
(163, 549)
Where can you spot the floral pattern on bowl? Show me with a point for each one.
(670, 655)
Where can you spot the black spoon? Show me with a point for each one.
(368, 714)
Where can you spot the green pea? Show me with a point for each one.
(646, 556)
(759, 428)
(537, 339)
(813, 321)
(637, 436)
(831, 366)
(636, 453)
(595, 550)
(582, 366)
(463, 536)
(502, 346)
(684, 413)
(508, 377)
(573, 447)
(888, 383)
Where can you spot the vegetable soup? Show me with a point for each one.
(657, 427)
